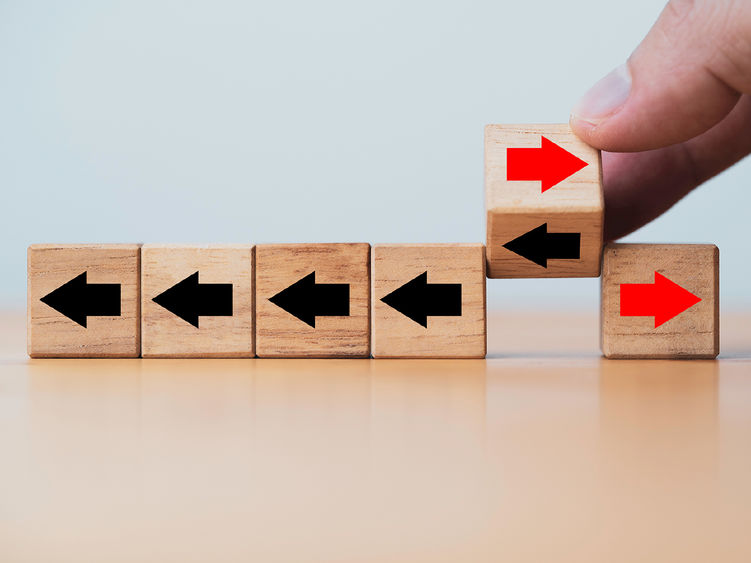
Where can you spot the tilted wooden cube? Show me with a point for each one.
(313, 300)
(544, 203)
(83, 301)
(197, 301)
(429, 301)
(660, 301)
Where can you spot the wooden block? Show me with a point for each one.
(544, 203)
(429, 301)
(660, 301)
(83, 301)
(313, 300)
(197, 301)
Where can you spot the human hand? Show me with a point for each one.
(676, 114)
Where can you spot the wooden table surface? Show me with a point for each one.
(544, 452)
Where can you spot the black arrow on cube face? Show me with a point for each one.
(190, 300)
(539, 246)
(306, 299)
(418, 299)
(79, 300)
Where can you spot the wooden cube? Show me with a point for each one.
(544, 203)
(660, 301)
(83, 301)
(313, 300)
(429, 301)
(197, 301)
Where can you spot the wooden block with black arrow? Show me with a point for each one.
(544, 204)
(197, 301)
(83, 301)
(429, 301)
(313, 300)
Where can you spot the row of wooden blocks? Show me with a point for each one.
(273, 301)
(338, 300)
(544, 203)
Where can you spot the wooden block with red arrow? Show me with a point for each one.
(544, 204)
(660, 301)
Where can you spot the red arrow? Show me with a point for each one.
(662, 299)
(550, 164)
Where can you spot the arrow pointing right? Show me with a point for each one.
(418, 299)
(550, 164)
(663, 299)
(539, 246)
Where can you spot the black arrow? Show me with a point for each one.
(189, 299)
(539, 246)
(78, 300)
(418, 299)
(306, 299)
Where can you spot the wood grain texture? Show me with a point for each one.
(167, 335)
(51, 334)
(280, 334)
(515, 207)
(397, 336)
(694, 333)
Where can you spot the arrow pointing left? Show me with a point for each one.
(79, 300)
(539, 246)
(418, 299)
(190, 300)
(306, 299)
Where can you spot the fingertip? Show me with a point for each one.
(582, 129)
(673, 87)
(605, 98)
(599, 105)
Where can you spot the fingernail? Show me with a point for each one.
(604, 98)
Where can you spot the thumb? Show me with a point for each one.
(685, 76)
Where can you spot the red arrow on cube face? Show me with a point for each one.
(550, 164)
(663, 299)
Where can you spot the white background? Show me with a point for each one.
(157, 121)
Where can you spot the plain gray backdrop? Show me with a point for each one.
(238, 121)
